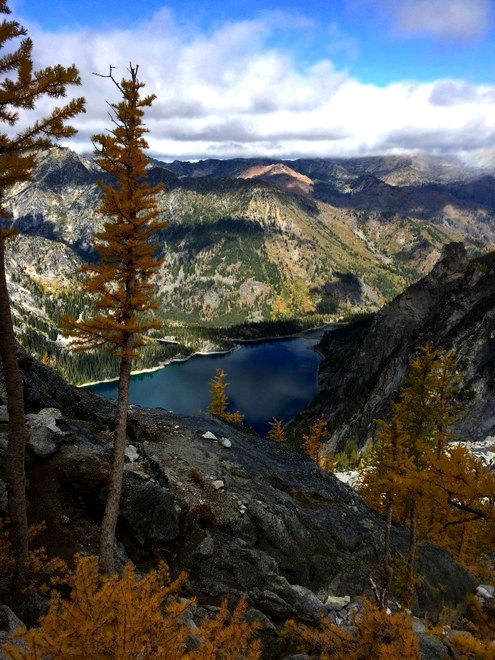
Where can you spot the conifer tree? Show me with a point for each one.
(276, 432)
(130, 616)
(313, 441)
(218, 394)
(219, 400)
(121, 280)
(375, 635)
(22, 89)
(389, 468)
(418, 477)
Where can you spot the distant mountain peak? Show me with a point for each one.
(280, 175)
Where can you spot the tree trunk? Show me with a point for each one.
(462, 540)
(412, 553)
(17, 434)
(107, 541)
(387, 567)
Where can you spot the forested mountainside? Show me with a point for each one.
(245, 242)
(365, 362)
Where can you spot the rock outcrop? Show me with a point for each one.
(365, 363)
(278, 528)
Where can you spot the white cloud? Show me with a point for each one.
(229, 93)
(442, 19)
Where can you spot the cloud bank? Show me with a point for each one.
(229, 92)
(442, 19)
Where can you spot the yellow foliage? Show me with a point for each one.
(121, 280)
(326, 642)
(378, 636)
(234, 417)
(475, 643)
(293, 300)
(468, 648)
(219, 400)
(42, 573)
(313, 441)
(437, 487)
(218, 393)
(481, 620)
(131, 617)
(327, 463)
(46, 360)
(228, 641)
(276, 432)
(280, 307)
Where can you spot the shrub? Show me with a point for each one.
(132, 617)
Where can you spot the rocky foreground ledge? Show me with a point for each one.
(240, 514)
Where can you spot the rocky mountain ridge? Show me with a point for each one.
(445, 191)
(395, 170)
(365, 363)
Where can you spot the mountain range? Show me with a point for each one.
(251, 239)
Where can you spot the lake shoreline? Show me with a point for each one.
(237, 342)
(150, 370)
(301, 333)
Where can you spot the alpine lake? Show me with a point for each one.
(267, 379)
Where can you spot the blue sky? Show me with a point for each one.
(356, 34)
(431, 62)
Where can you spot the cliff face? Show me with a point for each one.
(240, 514)
(365, 363)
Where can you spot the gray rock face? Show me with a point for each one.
(40, 441)
(431, 648)
(337, 603)
(150, 510)
(365, 364)
(303, 536)
(50, 415)
(307, 602)
(131, 453)
(43, 431)
(9, 623)
(485, 592)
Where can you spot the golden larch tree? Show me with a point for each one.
(219, 400)
(375, 635)
(218, 394)
(21, 89)
(276, 432)
(388, 471)
(122, 279)
(417, 477)
(131, 616)
(313, 441)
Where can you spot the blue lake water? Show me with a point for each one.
(275, 378)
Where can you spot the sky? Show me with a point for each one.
(270, 78)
